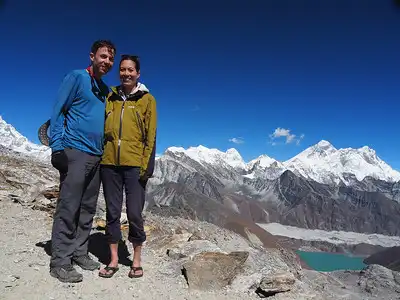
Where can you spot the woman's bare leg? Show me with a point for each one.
(137, 259)
(114, 259)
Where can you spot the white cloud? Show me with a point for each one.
(237, 140)
(299, 139)
(285, 133)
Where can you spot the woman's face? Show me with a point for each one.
(128, 74)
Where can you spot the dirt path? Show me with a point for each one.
(24, 257)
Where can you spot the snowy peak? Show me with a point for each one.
(324, 163)
(204, 155)
(234, 158)
(11, 139)
(9, 135)
(367, 153)
(264, 167)
(323, 144)
(367, 149)
(261, 162)
(321, 162)
(318, 151)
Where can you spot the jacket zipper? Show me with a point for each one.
(120, 133)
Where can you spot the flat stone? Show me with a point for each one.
(213, 270)
(276, 283)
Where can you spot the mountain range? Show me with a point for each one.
(322, 163)
(320, 188)
(10, 138)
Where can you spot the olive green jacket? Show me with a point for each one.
(130, 130)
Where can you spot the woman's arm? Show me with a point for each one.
(149, 154)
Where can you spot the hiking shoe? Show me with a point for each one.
(66, 273)
(86, 263)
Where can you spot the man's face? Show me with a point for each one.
(102, 60)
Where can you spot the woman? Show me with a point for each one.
(128, 160)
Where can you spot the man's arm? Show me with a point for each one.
(65, 96)
(150, 147)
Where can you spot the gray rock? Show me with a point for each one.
(375, 278)
(213, 270)
(276, 283)
(44, 204)
(163, 243)
(192, 248)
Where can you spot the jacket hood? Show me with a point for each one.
(139, 87)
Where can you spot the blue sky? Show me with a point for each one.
(222, 69)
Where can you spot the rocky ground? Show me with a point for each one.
(182, 259)
(203, 251)
(24, 254)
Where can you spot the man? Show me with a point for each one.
(76, 140)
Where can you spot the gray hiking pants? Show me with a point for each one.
(114, 180)
(76, 207)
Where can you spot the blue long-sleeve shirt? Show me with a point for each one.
(77, 119)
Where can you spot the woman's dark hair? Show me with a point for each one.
(133, 58)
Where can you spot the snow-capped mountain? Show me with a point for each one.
(264, 167)
(326, 164)
(262, 162)
(204, 155)
(322, 163)
(202, 182)
(11, 139)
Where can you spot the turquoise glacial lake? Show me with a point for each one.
(326, 262)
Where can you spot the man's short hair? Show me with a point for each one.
(133, 58)
(103, 43)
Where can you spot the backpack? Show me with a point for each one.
(43, 133)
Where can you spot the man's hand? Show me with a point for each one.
(59, 160)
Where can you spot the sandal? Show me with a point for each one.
(133, 270)
(109, 275)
